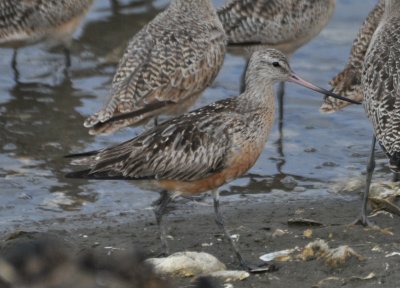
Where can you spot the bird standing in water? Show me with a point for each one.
(348, 81)
(201, 150)
(165, 67)
(26, 22)
(380, 83)
(285, 25)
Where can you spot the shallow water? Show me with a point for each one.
(42, 109)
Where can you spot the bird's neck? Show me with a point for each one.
(258, 95)
(193, 6)
(392, 8)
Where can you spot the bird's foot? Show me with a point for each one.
(164, 250)
(163, 253)
(262, 268)
(364, 221)
(195, 198)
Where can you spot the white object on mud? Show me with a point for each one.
(187, 264)
(392, 254)
(333, 257)
(273, 255)
(317, 249)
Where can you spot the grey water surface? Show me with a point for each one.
(42, 108)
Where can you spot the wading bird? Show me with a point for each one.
(165, 67)
(381, 89)
(26, 22)
(285, 25)
(201, 150)
(348, 81)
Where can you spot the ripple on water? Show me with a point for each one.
(42, 109)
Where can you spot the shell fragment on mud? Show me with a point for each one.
(317, 249)
(229, 275)
(187, 264)
(195, 264)
(283, 254)
(333, 257)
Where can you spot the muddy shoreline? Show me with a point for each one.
(255, 219)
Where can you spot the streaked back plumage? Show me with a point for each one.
(173, 58)
(222, 140)
(381, 82)
(348, 81)
(24, 22)
(282, 24)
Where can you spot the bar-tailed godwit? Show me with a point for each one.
(25, 22)
(201, 150)
(380, 83)
(348, 81)
(165, 67)
(285, 25)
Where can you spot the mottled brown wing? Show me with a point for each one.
(271, 22)
(186, 148)
(164, 65)
(348, 82)
(241, 19)
(381, 85)
(13, 15)
(30, 20)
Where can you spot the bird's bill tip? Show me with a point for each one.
(298, 80)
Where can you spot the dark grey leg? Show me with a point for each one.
(67, 53)
(156, 121)
(220, 222)
(279, 142)
(281, 93)
(396, 177)
(14, 66)
(160, 207)
(363, 219)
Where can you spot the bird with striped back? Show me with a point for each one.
(165, 67)
(201, 150)
(381, 88)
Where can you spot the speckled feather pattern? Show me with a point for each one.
(198, 144)
(381, 86)
(27, 21)
(348, 82)
(173, 58)
(275, 22)
(188, 148)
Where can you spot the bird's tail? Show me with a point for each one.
(85, 158)
(83, 174)
(394, 162)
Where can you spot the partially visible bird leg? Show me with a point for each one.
(67, 54)
(363, 219)
(160, 207)
(14, 66)
(281, 94)
(220, 222)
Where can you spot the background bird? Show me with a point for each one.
(380, 83)
(201, 150)
(165, 66)
(348, 81)
(284, 25)
(26, 22)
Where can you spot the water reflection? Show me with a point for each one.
(42, 111)
(40, 123)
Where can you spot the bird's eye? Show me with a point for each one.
(276, 64)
